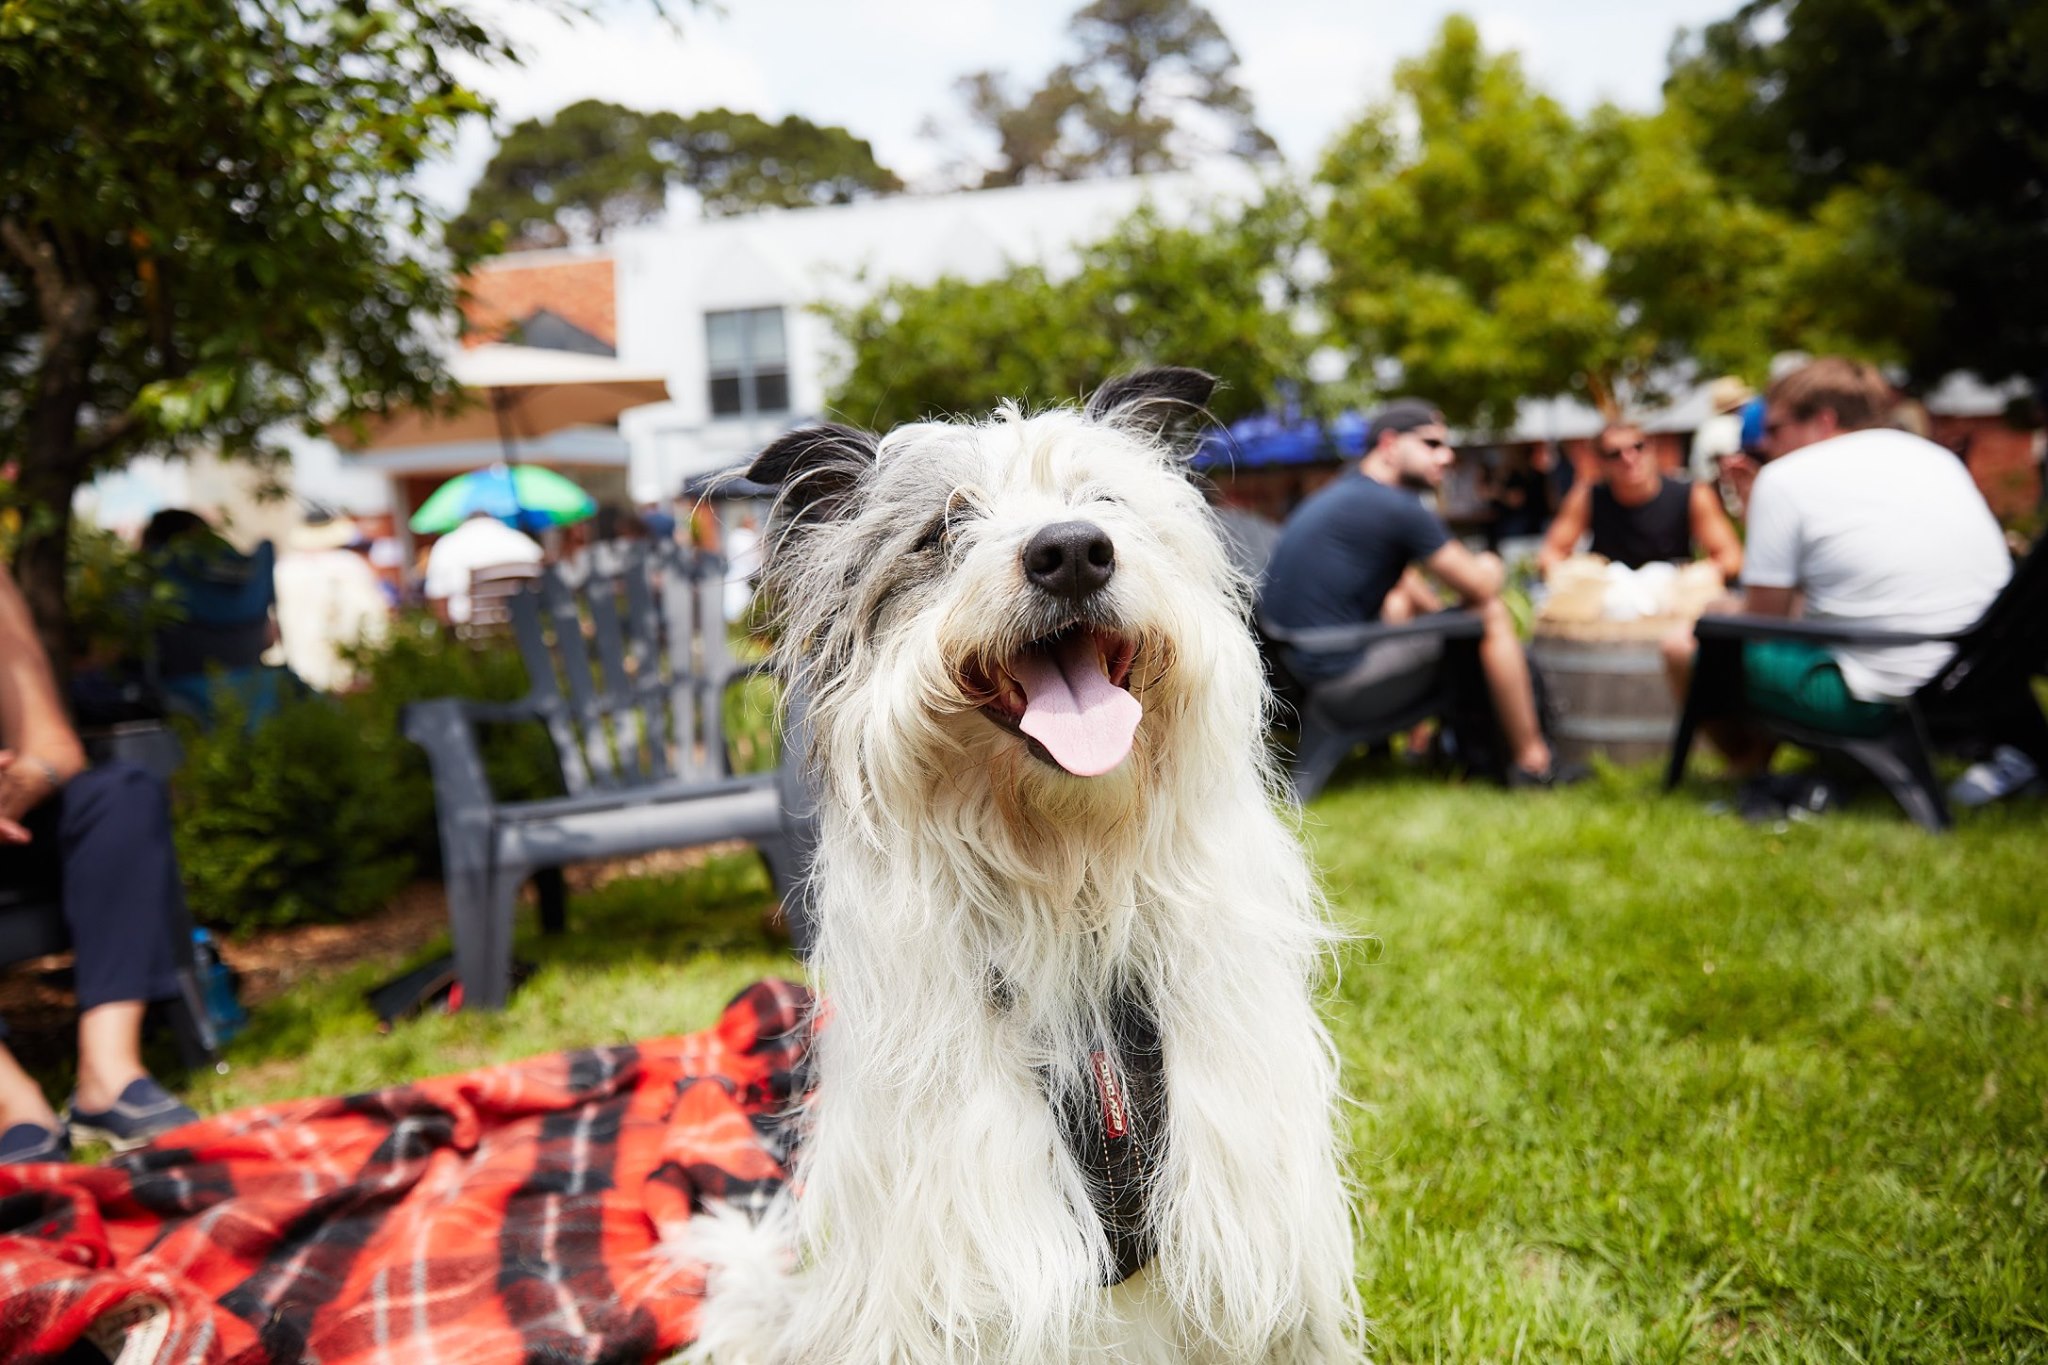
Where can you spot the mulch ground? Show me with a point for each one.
(35, 996)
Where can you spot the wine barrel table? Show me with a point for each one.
(1606, 688)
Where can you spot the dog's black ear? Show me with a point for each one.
(814, 468)
(1155, 399)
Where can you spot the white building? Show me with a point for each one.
(724, 308)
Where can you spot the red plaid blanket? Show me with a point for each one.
(504, 1215)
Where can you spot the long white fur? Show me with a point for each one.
(937, 1216)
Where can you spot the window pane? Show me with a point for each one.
(725, 395)
(725, 340)
(771, 390)
(766, 345)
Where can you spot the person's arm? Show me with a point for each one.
(1418, 591)
(39, 751)
(1476, 580)
(1565, 529)
(1714, 533)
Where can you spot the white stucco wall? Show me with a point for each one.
(670, 276)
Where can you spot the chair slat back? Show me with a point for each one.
(714, 657)
(600, 594)
(693, 758)
(648, 661)
(560, 606)
(2010, 640)
(628, 659)
(544, 688)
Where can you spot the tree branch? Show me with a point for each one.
(40, 256)
(98, 440)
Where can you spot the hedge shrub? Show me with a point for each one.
(325, 809)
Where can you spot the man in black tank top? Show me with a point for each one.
(1638, 515)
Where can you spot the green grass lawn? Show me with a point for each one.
(1633, 1082)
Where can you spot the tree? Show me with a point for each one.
(1493, 248)
(596, 167)
(581, 175)
(1154, 87)
(1216, 293)
(206, 226)
(1456, 234)
(739, 162)
(1917, 124)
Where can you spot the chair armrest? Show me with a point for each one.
(740, 672)
(1446, 625)
(446, 728)
(1812, 631)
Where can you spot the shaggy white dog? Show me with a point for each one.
(1073, 1099)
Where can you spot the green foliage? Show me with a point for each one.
(295, 820)
(1918, 122)
(595, 167)
(325, 809)
(208, 223)
(117, 601)
(1495, 248)
(1455, 231)
(1153, 86)
(1212, 293)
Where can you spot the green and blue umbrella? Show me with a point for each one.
(524, 496)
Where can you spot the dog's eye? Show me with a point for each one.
(933, 536)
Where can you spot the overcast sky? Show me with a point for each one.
(884, 68)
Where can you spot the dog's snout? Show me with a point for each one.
(1070, 559)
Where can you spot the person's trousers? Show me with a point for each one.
(102, 846)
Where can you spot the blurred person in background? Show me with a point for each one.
(99, 841)
(1853, 520)
(481, 542)
(1522, 500)
(1354, 552)
(328, 598)
(1636, 514)
(1719, 438)
(222, 603)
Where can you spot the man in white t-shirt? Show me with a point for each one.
(482, 542)
(1854, 522)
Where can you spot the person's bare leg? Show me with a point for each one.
(21, 1099)
(1406, 600)
(109, 1052)
(1514, 698)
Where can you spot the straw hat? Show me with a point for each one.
(1727, 393)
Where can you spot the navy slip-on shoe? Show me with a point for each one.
(26, 1142)
(144, 1112)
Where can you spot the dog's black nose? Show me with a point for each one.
(1070, 559)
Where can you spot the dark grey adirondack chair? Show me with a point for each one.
(1452, 687)
(1984, 696)
(640, 737)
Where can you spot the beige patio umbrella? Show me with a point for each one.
(525, 391)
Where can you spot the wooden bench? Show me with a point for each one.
(628, 666)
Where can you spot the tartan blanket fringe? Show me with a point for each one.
(506, 1214)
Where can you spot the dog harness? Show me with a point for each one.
(1114, 1124)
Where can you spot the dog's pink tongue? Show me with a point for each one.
(1084, 720)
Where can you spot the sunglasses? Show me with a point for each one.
(1616, 452)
